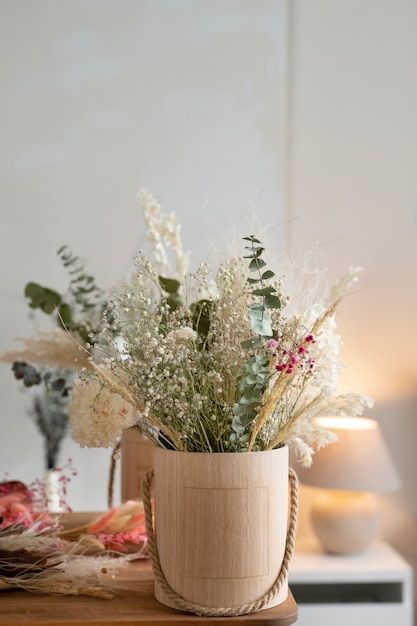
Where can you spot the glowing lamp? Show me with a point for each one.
(345, 515)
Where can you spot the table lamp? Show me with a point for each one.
(345, 515)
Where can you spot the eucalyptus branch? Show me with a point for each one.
(254, 379)
(82, 285)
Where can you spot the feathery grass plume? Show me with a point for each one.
(40, 561)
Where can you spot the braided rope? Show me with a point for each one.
(190, 607)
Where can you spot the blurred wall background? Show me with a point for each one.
(352, 187)
(301, 112)
(187, 99)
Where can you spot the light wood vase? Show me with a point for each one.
(221, 525)
(137, 458)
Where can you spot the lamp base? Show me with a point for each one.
(345, 522)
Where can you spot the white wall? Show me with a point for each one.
(352, 187)
(100, 98)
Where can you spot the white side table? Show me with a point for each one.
(367, 589)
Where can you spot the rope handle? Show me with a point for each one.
(190, 607)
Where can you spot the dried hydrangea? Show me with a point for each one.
(98, 416)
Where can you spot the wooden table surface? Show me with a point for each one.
(133, 605)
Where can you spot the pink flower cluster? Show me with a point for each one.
(287, 360)
(120, 527)
(14, 502)
(26, 505)
(16, 506)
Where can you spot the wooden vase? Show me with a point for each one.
(137, 458)
(221, 525)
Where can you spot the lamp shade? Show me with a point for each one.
(358, 461)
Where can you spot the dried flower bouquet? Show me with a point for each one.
(212, 361)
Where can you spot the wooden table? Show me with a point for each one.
(135, 605)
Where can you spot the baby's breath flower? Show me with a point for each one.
(181, 335)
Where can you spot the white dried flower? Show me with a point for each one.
(163, 232)
(181, 335)
(98, 416)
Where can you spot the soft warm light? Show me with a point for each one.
(345, 522)
(358, 461)
(346, 423)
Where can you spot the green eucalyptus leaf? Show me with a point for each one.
(255, 253)
(202, 312)
(255, 368)
(254, 379)
(262, 327)
(83, 278)
(169, 285)
(272, 302)
(42, 298)
(256, 363)
(268, 274)
(84, 333)
(263, 292)
(69, 260)
(254, 250)
(239, 409)
(252, 391)
(248, 416)
(253, 343)
(248, 403)
(251, 238)
(256, 264)
(81, 291)
(174, 301)
(65, 316)
(238, 427)
(62, 251)
(256, 314)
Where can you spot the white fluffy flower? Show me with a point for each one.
(181, 335)
(164, 233)
(343, 284)
(98, 416)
